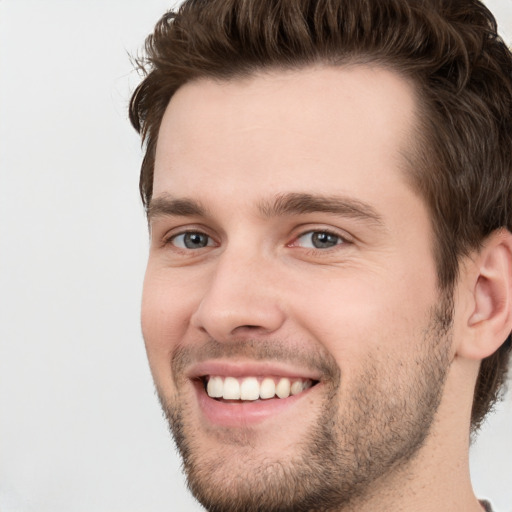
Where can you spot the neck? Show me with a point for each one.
(437, 479)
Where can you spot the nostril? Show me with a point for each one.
(246, 327)
(222, 315)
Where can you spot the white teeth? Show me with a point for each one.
(215, 387)
(296, 387)
(283, 388)
(250, 389)
(267, 388)
(231, 389)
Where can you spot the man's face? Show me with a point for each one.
(291, 260)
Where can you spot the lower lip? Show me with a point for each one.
(243, 414)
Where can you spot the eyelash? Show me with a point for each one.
(169, 240)
(341, 240)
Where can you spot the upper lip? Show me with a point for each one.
(240, 369)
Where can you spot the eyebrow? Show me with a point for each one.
(284, 204)
(300, 204)
(175, 207)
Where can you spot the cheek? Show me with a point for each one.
(165, 317)
(360, 317)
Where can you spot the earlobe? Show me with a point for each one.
(490, 321)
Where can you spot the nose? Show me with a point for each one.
(241, 298)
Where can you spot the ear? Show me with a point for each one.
(490, 318)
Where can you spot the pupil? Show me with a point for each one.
(195, 240)
(322, 240)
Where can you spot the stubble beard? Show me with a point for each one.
(344, 455)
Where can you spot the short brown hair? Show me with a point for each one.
(449, 49)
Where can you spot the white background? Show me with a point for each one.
(80, 427)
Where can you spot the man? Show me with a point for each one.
(327, 304)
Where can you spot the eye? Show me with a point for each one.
(192, 240)
(318, 240)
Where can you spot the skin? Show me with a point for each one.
(361, 317)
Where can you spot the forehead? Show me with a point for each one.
(312, 129)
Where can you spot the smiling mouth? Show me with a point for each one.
(252, 389)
